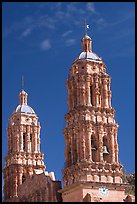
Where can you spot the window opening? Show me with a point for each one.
(93, 149)
(30, 142)
(23, 178)
(30, 137)
(75, 151)
(24, 135)
(91, 95)
(105, 149)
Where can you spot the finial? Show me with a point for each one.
(22, 82)
(86, 27)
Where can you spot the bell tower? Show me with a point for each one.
(24, 155)
(92, 170)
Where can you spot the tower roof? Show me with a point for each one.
(87, 48)
(23, 107)
(87, 52)
(86, 37)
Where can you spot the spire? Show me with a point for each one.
(22, 82)
(86, 40)
(86, 27)
(23, 95)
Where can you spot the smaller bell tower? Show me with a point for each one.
(24, 155)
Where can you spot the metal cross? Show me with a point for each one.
(86, 27)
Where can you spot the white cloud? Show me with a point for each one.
(70, 42)
(46, 21)
(26, 32)
(91, 7)
(64, 14)
(45, 45)
(101, 23)
(66, 33)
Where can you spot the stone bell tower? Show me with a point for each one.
(92, 171)
(24, 156)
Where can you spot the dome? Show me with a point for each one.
(86, 37)
(23, 92)
(24, 109)
(89, 55)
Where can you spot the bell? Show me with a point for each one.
(93, 148)
(105, 150)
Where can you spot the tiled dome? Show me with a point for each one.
(24, 109)
(88, 55)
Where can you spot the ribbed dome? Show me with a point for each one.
(88, 55)
(24, 109)
(86, 37)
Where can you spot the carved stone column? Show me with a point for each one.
(21, 138)
(87, 91)
(9, 133)
(109, 98)
(6, 183)
(83, 142)
(71, 146)
(35, 139)
(17, 137)
(88, 144)
(105, 92)
(115, 144)
(20, 172)
(69, 88)
(69, 99)
(116, 153)
(78, 145)
(109, 93)
(28, 138)
(66, 149)
(72, 93)
(100, 146)
(78, 93)
(111, 133)
(38, 142)
(96, 90)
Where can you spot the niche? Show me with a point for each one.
(75, 152)
(30, 142)
(23, 178)
(105, 149)
(91, 94)
(24, 145)
(93, 148)
(69, 157)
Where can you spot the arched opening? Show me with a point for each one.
(105, 149)
(94, 148)
(75, 152)
(30, 142)
(91, 94)
(85, 47)
(23, 178)
(69, 157)
(11, 143)
(24, 145)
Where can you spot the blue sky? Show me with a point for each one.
(41, 40)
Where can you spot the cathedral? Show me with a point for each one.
(92, 171)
